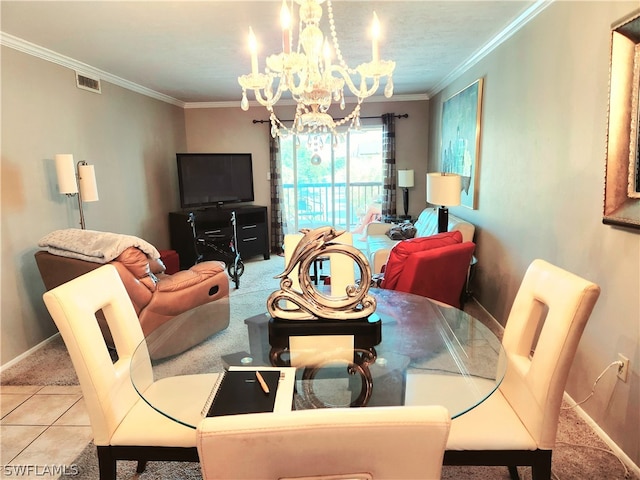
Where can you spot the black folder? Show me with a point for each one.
(239, 391)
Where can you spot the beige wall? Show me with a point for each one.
(541, 192)
(232, 130)
(130, 138)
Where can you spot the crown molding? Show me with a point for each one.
(348, 100)
(524, 18)
(29, 48)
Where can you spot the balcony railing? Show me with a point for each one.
(310, 205)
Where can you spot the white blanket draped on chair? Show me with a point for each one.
(92, 245)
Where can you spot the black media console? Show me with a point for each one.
(215, 224)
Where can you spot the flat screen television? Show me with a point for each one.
(208, 179)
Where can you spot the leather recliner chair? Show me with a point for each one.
(157, 297)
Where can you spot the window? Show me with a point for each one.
(331, 183)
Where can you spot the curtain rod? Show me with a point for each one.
(403, 115)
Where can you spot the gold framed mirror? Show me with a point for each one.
(622, 173)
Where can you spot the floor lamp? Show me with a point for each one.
(77, 180)
(443, 189)
(405, 181)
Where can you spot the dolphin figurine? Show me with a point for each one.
(312, 240)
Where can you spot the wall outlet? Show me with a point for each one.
(623, 370)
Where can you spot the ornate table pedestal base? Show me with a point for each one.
(366, 332)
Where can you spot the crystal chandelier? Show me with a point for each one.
(309, 76)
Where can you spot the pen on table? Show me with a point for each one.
(263, 384)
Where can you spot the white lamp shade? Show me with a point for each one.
(66, 173)
(88, 185)
(405, 178)
(444, 189)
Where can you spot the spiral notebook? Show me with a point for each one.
(238, 391)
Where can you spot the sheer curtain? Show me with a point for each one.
(278, 224)
(388, 165)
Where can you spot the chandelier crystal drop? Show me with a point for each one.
(308, 75)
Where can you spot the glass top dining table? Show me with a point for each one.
(429, 353)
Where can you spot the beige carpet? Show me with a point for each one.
(586, 458)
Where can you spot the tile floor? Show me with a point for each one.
(42, 430)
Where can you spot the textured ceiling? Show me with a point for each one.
(193, 51)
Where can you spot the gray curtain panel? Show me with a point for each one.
(389, 165)
(278, 223)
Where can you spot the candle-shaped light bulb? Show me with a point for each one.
(375, 35)
(285, 21)
(253, 48)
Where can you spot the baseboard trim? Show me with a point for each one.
(603, 435)
(493, 319)
(24, 355)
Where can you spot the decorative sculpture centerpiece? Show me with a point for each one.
(309, 303)
(299, 309)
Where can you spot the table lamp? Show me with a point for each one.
(443, 189)
(405, 181)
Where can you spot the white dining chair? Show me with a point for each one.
(124, 426)
(331, 443)
(516, 425)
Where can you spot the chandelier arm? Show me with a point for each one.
(265, 101)
(276, 97)
(352, 88)
(300, 88)
(259, 98)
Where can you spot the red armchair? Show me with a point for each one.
(434, 267)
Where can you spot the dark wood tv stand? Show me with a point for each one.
(215, 222)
